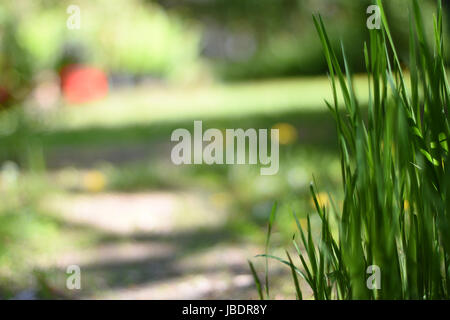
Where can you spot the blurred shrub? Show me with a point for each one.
(15, 64)
(42, 33)
(121, 36)
(18, 139)
(141, 39)
(271, 38)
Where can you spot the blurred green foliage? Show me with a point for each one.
(124, 36)
(15, 64)
(274, 38)
(176, 39)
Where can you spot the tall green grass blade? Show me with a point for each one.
(256, 279)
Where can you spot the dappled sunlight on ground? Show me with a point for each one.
(146, 252)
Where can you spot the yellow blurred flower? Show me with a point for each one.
(220, 199)
(322, 198)
(94, 181)
(288, 133)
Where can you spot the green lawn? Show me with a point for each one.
(146, 105)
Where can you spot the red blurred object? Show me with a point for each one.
(82, 84)
(4, 95)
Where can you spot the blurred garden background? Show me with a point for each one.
(86, 117)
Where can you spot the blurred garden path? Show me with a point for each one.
(150, 245)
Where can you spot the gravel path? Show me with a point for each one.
(152, 245)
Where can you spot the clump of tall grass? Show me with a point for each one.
(396, 178)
